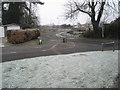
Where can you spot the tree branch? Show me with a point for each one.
(95, 4)
(82, 10)
(101, 11)
(42, 3)
(89, 5)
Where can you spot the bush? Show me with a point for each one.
(92, 34)
(112, 30)
(74, 32)
(70, 32)
(20, 36)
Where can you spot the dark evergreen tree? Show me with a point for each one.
(18, 13)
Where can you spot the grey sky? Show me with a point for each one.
(53, 12)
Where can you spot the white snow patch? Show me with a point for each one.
(79, 70)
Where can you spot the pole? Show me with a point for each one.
(102, 32)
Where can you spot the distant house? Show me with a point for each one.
(80, 27)
(10, 27)
(75, 26)
(83, 27)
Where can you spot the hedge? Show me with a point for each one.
(93, 34)
(21, 36)
(112, 30)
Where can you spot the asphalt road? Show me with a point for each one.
(55, 46)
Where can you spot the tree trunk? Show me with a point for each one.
(95, 26)
(97, 31)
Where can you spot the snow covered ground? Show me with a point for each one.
(79, 70)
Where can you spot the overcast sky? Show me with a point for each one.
(53, 12)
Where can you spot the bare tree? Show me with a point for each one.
(93, 8)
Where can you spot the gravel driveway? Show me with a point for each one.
(79, 70)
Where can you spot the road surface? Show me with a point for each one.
(54, 46)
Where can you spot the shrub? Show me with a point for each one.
(20, 36)
(70, 32)
(112, 30)
(92, 34)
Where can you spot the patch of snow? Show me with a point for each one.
(79, 70)
(59, 35)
